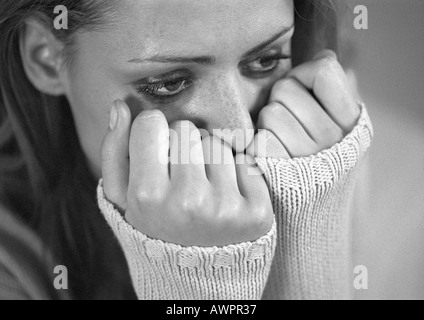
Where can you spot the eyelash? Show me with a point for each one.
(151, 89)
(275, 58)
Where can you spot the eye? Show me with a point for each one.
(265, 64)
(165, 89)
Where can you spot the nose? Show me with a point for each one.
(231, 106)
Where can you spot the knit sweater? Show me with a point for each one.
(305, 255)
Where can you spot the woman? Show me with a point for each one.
(90, 103)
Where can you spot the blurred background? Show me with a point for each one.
(388, 60)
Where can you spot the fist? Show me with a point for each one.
(191, 203)
(310, 110)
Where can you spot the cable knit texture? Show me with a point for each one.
(312, 246)
(162, 270)
(310, 197)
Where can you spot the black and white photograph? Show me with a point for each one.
(211, 155)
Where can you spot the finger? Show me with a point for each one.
(266, 145)
(308, 112)
(186, 152)
(115, 152)
(353, 83)
(250, 181)
(281, 122)
(326, 78)
(149, 150)
(219, 162)
(253, 188)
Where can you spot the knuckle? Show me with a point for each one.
(269, 113)
(151, 196)
(328, 66)
(222, 210)
(227, 214)
(192, 205)
(284, 85)
(270, 110)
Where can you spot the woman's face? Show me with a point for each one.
(212, 62)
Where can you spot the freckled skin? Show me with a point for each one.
(221, 98)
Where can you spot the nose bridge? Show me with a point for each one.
(232, 101)
(229, 110)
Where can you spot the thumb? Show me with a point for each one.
(353, 83)
(115, 155)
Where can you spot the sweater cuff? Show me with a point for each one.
(162, 271)
(326, 167)
(310, 197)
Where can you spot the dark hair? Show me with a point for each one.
(44, 176)
(316, 24)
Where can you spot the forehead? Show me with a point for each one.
(196, 26)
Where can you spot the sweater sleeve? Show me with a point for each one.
(165, 271)
(310, 197)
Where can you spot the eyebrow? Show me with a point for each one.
(266, 43)
(209, 60)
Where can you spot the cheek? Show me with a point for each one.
(91, 99)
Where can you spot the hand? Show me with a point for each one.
(194, 204)
(310, 110)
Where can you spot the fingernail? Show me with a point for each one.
(113, 116)
(151, 114)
